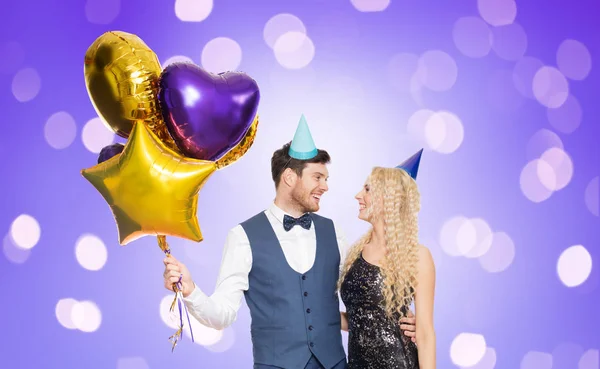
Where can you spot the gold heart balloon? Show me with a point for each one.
(121, 77)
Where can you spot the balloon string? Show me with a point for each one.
(177, 288)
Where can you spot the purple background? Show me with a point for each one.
(355, 100)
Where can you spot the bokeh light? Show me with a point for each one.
(488, 361)
(60, 130)
(536, 177)
(524, 72)
(294, 50)
(500, 255)
(562, 168)
(91, 252)
(95, 135)
(86, 316)
(63, 311)
(540, 142)
(550, 87)
(509, 41)
(193, 10)
(574, 266)
(590, 359)
(449, 233)
(14, 253)
(567, 117)
(280, 24)
(497, 12)
(439, 70)
(221, 54)
(472, 37)
(26, 84)
(574, 59)
(483, 239)
(592, 196)
(177, 59)
(468, 349)
(25, 231)
(536, 360)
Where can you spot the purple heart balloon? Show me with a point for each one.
(109, 151)
(206, 114)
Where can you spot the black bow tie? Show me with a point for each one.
(289, 222)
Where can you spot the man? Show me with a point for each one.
(286, 261)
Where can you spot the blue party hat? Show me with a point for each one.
(411, 165)
(303, 146)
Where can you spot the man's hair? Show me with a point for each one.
(281, 160)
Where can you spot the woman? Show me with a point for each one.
(384, 272)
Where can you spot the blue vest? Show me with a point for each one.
(294, 316)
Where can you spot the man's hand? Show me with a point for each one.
(408, 326)
(174, 270)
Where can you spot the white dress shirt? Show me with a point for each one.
(299, 247)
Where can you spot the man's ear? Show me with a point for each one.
(289, 177)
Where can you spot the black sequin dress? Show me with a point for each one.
(374, 341)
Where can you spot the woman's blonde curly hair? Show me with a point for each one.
(400, 206)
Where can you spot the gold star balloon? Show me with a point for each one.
(151, 189)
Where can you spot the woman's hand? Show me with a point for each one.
(408, 326)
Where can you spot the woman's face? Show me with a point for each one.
(365, 203)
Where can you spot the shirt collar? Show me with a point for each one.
(277, 212)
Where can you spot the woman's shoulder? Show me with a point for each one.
(424, 256)
(423, 250)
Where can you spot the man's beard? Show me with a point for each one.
(303, 202)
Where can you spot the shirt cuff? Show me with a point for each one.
(197, 297)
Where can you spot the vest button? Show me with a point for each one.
(305, 293)
(312, 344)
(308, 311)
(310, 327)
(303, 277)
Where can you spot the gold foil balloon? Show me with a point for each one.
(151, 189)
(121, 77)
(241, 148)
